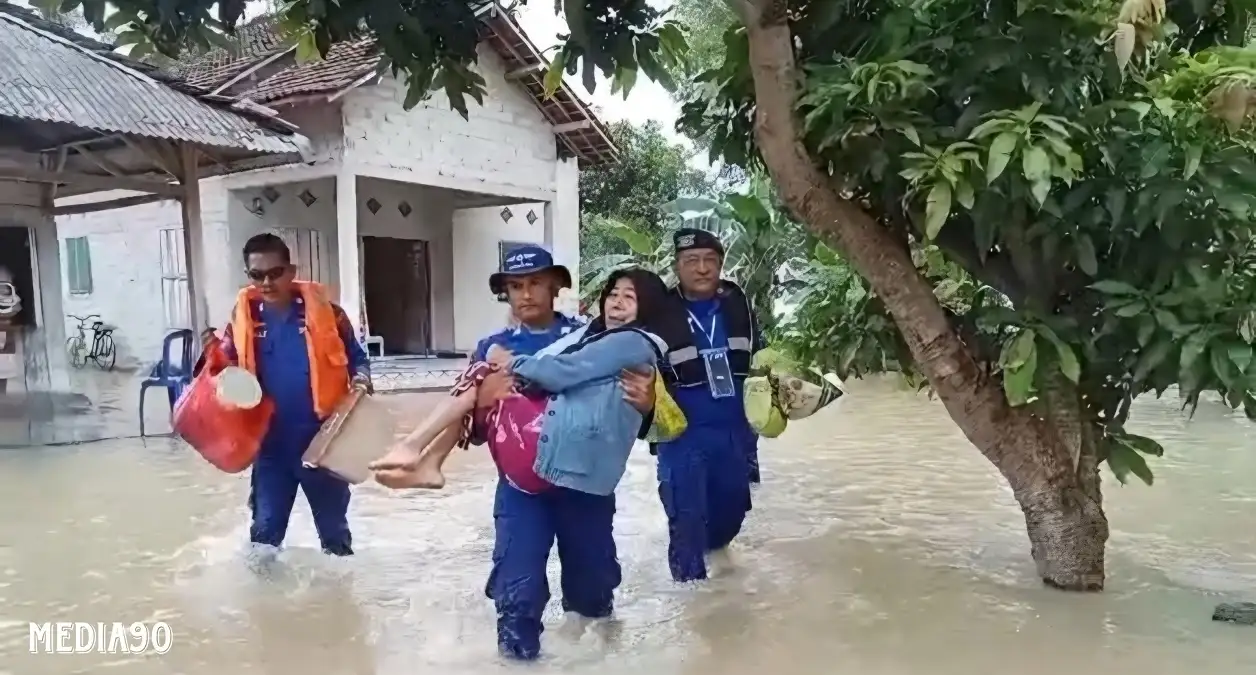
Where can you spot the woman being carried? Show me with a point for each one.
(586, 431)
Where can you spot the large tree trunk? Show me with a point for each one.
(1059, 496)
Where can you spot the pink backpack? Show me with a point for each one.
(514, 430)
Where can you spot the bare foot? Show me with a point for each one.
(402, 479)
(400, 457)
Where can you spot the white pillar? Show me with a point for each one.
(348, 257)
(562, 224)
(547, 226)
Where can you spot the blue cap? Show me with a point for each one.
(526, 260)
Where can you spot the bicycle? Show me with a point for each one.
(102, 351)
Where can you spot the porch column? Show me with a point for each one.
(347, 247)
(562, 218)
(547, 224)
(194, 239)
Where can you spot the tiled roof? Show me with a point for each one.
(49, 74)
(579, 132)
(345, 63)
(258, 38)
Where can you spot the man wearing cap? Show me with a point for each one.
(526, 525)
(705, 474)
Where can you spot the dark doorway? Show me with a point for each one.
(397, 283)
(15, 255)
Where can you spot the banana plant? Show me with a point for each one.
(760, 244)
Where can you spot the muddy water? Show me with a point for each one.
(880, 543)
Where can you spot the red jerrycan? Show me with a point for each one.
(228, 435)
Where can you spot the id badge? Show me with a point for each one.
(719, 373)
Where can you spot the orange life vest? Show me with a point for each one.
(329, 362)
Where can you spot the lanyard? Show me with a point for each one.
(709, 334)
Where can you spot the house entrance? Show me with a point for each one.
(17, 303)
(397, 285)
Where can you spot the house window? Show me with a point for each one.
(174, 280)
(306, 247)
(78, 258)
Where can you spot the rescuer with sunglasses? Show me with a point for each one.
(304, 353)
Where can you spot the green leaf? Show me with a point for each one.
(1069, 365)
(1019, 351)
(1193, 155)
(1151, 358)
(937, 209)
(1000, 154)
(1113, 287)
(554, 76)
(307, 48)
(1036, 164)
(1124, 460)
(1193, 348)
(1142, 444)
(1018, 383)
(1132, 309)
(625, 80)
(747, 208)
(964, 193)
(638, 241)
(1240, 356)
(1222, 368)
(1086, 258)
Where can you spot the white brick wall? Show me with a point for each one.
(507, 141)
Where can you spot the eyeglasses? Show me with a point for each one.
(272, 274)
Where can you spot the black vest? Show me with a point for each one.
(598, 330)
(740, 325)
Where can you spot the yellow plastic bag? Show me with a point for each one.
(762, 409)
(669, 421)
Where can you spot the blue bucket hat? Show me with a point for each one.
(526, 260)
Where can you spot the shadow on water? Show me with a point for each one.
(880, 543)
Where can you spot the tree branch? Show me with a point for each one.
(975, 402)
(997, 271)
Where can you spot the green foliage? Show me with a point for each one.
(1098, 218)
(432, 45)
(705, 22)
(760, 244)
(652, 171)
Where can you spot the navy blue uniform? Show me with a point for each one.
(704, 484)
(527, 525)
(283, 370)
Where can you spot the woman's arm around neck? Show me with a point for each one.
(598, 359)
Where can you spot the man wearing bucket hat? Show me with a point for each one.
(526, 525)
(705, 474)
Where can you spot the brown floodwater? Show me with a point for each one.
(880, 543)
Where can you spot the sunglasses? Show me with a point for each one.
(272, 274)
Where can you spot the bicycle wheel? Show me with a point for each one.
(104, 353)
(76, 348)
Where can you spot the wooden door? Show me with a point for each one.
(396, 283)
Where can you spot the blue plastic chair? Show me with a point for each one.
(169, 373)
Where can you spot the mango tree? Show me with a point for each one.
(1085, 162)
(1089, 161)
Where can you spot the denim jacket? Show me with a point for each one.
(589, 429)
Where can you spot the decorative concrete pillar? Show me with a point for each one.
(347, 246)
